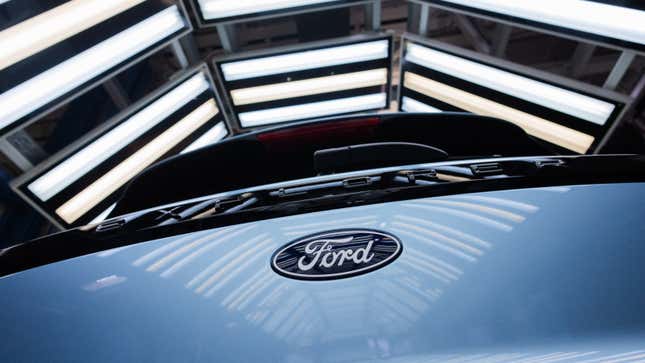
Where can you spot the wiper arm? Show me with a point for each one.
(212, 207)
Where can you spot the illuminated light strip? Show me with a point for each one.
(101, 217)
(83, 202)
(46, 29)
(310, 59)
(411, 105)
(310, 110)
(524, 207)
(587, 16)
(401, 228)
(194, 243)
(534, 125)
(480, 208)
(447, 230)
(215, 270)
(215, 9)
(446, 275)
(166, 248)
(116, 139)
(556, 98)
(242, 289)
(217, 133)
(186, 260)
(404, 296)
(64, 77)
(311, 231)
(225, 275)
(215, 265)
(465, 215)
(308, 87)
(464, 247)
(623, 357)
(326, 224)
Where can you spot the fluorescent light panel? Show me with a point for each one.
(587, 16)
(50, 27)
(73, 168)
(101, 217)
(311, 110)
(409, 104)
(110, 182)
(536, 126)
(63, 78)
(559, 99)
(215, 9)
(217, 133)
(308, 87)
(311, 59)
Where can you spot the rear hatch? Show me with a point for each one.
(532, 275)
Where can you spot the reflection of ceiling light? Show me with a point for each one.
(536, 126)
(308, 87)
(310, 110)
(211, 136)
(581, 15)
(46, 29)
(116, 139)
(130, 167)
(214, 9)
(310, 59)
(412, 105)
(83, 67)
(556, 98)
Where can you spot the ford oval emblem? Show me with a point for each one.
(336, 254)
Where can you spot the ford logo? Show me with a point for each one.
(336, 254)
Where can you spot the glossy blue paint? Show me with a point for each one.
(533, 275)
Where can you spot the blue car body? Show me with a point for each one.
(541, 274)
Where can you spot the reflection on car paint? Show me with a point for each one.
(446, 299)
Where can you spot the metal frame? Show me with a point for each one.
(528, 72)
(530, 24)
(227, 34)
(54, 105)
(203, 23)
(70, 149)
(618, 71)
(234, 123)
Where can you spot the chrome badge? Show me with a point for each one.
(336, 254)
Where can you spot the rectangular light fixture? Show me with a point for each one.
(50, 27)
(83, 67)
(103, 148)
(311, 59)
(309, 80)
(614, 22)
(77, 185)
(536, 126)
(563, 112)
(215, 9)
(311, 110)
(409, 104)
(556, 98)
(211, 12)
(308, 87)
(81, 203)
(215, 134)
